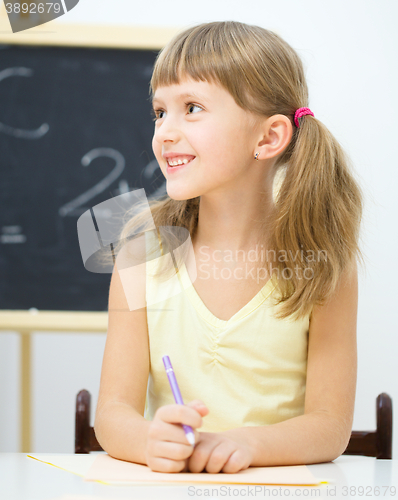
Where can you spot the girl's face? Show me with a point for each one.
(200, 122)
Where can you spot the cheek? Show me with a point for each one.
(228, 145)
(155, 146)
(157, 151)
(210, 140)
(225, 134)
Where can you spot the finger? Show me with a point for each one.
(199, 406)
(219, 457)
(164, 465)
(236, 462)
(200, 456)
(179, 414)
(197, 437)
(172, 451)
(181, 437)
(163, 431)
(185, 439)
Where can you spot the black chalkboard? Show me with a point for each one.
(73, 121)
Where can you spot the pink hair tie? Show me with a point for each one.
(301, 112)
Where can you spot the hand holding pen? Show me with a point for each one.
(177, 396)
(168, 447)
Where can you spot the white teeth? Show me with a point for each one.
(178, 162)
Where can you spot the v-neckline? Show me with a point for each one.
(206, 314)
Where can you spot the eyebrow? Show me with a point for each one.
(185, 95)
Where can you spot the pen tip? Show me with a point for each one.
(191, 438)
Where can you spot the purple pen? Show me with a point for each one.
(177, 396)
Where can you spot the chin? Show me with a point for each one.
(181, 195)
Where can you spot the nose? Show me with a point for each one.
(167, 131)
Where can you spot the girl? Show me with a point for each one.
(264, 348)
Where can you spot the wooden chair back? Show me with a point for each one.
(376, 443)
(85, 439)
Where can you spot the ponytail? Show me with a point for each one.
(318, 209)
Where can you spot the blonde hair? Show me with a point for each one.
(318, 206)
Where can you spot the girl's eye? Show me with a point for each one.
(190, 106)
(158, 113)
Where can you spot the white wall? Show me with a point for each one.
(62, 365)
(349, 48)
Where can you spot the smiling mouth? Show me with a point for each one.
(182, 163)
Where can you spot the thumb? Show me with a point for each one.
(199, 406)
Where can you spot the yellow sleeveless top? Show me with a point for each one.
(249, 370)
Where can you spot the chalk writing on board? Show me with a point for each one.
(75, 207)
(12, 234)
(57, 105)
(18, 132)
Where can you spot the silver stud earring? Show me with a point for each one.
(256, 157)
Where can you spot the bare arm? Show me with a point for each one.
(119, 423)
(323, 432)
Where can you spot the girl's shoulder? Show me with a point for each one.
(342, 306)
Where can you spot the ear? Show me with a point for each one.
(276, 134)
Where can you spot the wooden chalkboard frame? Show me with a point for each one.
(82, 35)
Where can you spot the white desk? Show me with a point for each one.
(23, 478)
